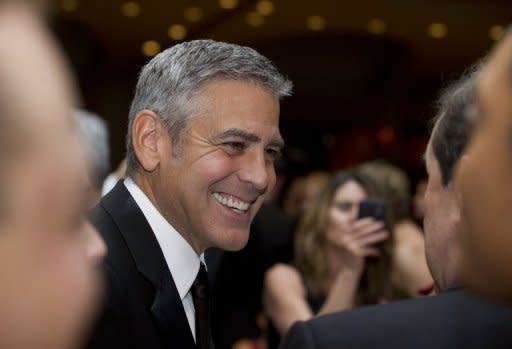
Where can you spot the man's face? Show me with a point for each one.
(49, 277)
(484, 181)
(212, 189)
(52, 254)
(439, 223)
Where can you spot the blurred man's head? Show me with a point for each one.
(484, 180)
(48, 255)
(442, 221)
(94, 137)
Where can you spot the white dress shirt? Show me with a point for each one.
(182, 260)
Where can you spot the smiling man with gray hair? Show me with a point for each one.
(202, 139)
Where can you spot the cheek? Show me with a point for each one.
(215, 167)
(59, 282)
(429, 201)
(337, 222)
(271, 173)
(429, 215)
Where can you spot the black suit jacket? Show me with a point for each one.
(452, 319)
(143, 308)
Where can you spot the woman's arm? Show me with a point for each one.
(284, 297)
(342, 293)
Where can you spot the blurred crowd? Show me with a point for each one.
(356, 257)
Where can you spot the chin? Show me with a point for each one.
(233, 240)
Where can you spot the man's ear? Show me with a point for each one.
(146, 139)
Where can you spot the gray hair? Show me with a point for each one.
(94, 137)
(452, 127)
(169, 81)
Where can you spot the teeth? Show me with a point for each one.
(232, 203)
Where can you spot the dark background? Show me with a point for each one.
(359, 95)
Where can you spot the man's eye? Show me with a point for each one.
(273, 153)
(235, 146)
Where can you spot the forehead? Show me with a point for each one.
(30, 60)
(499, 65)
(350, 190)
(238, 101)
(242, 105)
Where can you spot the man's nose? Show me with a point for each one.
(257, 170)
(95, 248)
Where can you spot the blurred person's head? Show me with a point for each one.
(203, 136)
(392, 184)
(303, 192)
(334, 210)
(313, 185)
(293, 198)
(94, 137)
(49, 282)
(483, 178)
(443, 221)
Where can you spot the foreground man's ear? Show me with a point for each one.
(146, 138)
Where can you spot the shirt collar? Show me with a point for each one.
(182, 260)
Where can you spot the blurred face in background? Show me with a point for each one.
(49, 255)
(483, 178)
(313, 185)
(344, 209)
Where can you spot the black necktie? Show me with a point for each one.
(200, 296)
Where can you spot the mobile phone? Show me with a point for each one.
(373, 207)
(376, 208)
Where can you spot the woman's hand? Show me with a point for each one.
(357, 240)
(350, 244)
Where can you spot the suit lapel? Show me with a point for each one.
(167, 308)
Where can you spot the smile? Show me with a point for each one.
(231, 202)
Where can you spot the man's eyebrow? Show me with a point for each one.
(236, 132)
(249, 137)
(277, 142)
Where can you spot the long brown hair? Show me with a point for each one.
(311, 246)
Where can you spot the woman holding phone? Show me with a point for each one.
(341, 261)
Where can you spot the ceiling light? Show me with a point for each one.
(254, 19)
(265, 7)
(496, 32)
(177, 32)
(437, 30)
(316, 23)
(228, 4)
(130, 9)
(150, 48)
(193, 14)
(69, 5)
(376, 26)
